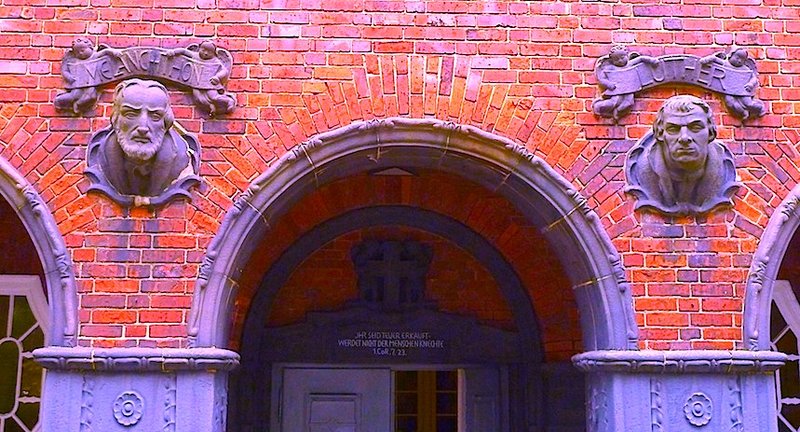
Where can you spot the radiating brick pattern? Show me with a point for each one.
(519, 69)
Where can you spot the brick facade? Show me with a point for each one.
(518, 69)
(522, 70)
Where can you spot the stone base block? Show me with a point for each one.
(680, 391)
(134, 389)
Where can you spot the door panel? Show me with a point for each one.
(483, 402)
(336, 400)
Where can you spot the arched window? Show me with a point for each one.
(784, 329)
(23, 316)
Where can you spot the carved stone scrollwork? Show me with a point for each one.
(141, 159)
(736, 414)
(621, 74)
(656, 405)
(597, 412)
(680, 168)
(203, 67)
(170, 403)
(87, 404)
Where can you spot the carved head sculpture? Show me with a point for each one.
(738, 57)
(619, 55)
(683, 129)
(207, 50)
(140, 159)
(141, 116)
(680, 168)
(82, 48)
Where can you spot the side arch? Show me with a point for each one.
(764, 269)
(500, 165)
(56, 263)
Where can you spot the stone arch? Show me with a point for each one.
(56, 263)
(764, 269)
(540, 193)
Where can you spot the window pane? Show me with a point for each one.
(405, 380)
(9, 369)
(29, 414)
(13, 426)
(446, 424)
(34, 340)
(3, 316)
(406, 403)
(31, 378)
(446, 380)
(23, 317)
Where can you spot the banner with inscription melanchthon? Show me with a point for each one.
(715, 76)
(136, 62)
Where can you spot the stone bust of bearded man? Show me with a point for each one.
(141, 155)
(680, 168)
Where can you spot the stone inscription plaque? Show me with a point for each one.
(391, 343)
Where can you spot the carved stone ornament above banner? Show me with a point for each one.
(680, 168)
(203, 67)
(142, 158)
(621, 74)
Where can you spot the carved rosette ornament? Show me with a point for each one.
(680, 168)
(621, 74)
(142, 158)
(128, 408)
(203, 67)
(697, 409)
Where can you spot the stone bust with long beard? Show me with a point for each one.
(140, 155)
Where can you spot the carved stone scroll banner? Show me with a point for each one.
(203, 67)
(621, 74)
(680, 168)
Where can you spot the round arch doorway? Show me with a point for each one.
(543, 199)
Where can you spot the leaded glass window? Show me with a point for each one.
(23, 313)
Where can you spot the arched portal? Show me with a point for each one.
(767, 261)
(34, 271)
(496, 163)
(539, 195)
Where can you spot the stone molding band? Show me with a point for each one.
(137, 359)
(702, 361)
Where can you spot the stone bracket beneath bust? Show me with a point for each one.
(203, 67)
(622, 74)
(680, 391)
(144, 389)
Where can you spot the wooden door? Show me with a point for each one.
(336, 400)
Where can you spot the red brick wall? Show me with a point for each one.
(519, 69)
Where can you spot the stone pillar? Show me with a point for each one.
(680, 391)
(135, 389)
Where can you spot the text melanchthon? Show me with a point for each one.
(203, 67)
